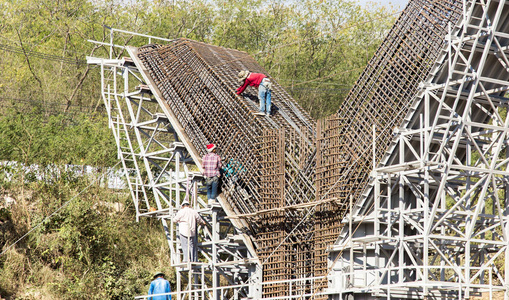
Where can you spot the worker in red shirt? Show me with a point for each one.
(263, 84)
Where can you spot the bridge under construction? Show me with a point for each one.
(402, 194)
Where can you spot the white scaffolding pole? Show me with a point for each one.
(161, 170)
(439, 200)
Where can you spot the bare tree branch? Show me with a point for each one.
(27, 59)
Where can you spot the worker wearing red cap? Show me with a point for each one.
(211, 166)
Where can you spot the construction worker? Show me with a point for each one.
(212, 166)
(263, 84)
(188, 218)
(159, 286)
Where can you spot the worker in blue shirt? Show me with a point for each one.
(159, 286)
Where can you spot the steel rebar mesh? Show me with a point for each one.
(272, 160)
(381, 97)
(269, 161)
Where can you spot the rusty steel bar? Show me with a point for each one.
(381, 97)
(283, 161)
(270, 159)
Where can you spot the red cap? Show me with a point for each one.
(211, 147)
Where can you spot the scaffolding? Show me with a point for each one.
(161, 173)
(165, 103)
(433, 222)
(400, 195)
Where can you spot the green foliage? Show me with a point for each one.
(316, 49)
(31, 138)
(86, 251)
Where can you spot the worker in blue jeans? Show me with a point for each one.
(264, 85)
(159, 286)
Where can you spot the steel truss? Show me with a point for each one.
(433, 224)
(161, 173)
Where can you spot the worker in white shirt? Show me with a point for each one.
(187, 218)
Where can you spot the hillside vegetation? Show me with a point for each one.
(51, 116)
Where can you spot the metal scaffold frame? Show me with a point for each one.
(425, 215)
(165, 103)
(267, 185)
(434, 221)
(161, 173)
